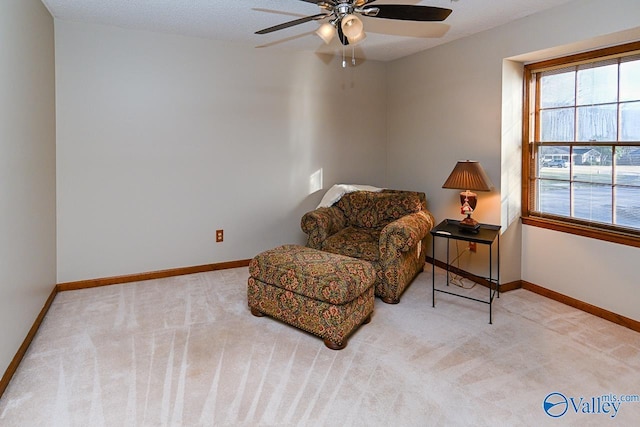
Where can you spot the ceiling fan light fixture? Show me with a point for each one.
(326, 32)
(344, 22)
(357, 39)
(352, 26)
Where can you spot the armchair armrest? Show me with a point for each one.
(322, 223)
(404, 233)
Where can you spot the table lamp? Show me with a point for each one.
(468, 175)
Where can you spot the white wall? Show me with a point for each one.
(163, 139)
(27, 169)
(601, 274)
(448, 103)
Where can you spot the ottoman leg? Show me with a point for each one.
(335, 346)
(256, 313)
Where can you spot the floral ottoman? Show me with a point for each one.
(326, 294)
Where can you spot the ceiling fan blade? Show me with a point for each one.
(414, 29)
(292, 23)
(411, 13)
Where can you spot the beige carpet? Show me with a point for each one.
(185, 351)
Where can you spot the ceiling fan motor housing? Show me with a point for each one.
(344, 8)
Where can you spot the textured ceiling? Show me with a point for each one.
(235, 21)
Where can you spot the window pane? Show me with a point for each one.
(597, 123)
(553, 197)
(630, 121)
(593, 164)
(598, 85)
(628, 166)
(552, 157)
(557, 89)
(592, 155)
(592, 202)
(628, 206)
(555, 169)
(557, 125)
(630, 81)
(628, 198)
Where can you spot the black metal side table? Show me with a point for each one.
(486, 235)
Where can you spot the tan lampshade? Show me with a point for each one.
(357, 39)
(351, 26)
(326, 32)
(468, 175)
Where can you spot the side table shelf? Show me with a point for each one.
(487, 235)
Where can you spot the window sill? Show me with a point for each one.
(580, 230)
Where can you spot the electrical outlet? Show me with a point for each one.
(219, 236)
(472, 246)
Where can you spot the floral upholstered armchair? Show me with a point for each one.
(387, 228)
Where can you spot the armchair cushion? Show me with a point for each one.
(361, 243)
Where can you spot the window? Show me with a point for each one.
(581, 164)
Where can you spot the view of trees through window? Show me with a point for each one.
(585, 142)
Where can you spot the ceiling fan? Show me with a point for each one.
(344, 22)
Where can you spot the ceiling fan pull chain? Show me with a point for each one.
(344, 61)
(353, 56)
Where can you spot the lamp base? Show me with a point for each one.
(469, 225)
